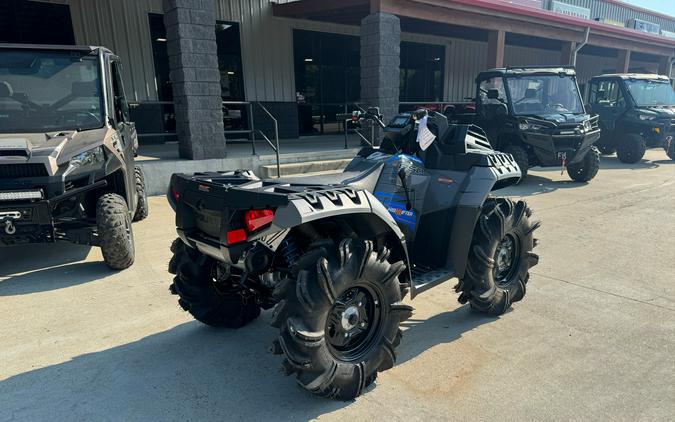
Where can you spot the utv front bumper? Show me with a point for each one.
(553, 146)
(37, 221)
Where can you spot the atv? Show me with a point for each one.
(536, 114)
(335, 255)
(637, 111)
(67, 150)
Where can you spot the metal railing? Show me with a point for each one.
(275, 146)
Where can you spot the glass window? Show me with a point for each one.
(544, 94)
(422, 72)
(229, 61)
(650, 93)
(604, 93)
(327, 77)
(35, 22)
(160, 57)
(47, 91)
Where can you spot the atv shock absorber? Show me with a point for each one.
(290, 251)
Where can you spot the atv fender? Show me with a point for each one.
(330, 203)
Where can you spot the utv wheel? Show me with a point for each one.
(142, 208)
(631, 148)
(520, 155)
(500, 257)
(115, 234)
(339, 317)
(670, 149)
(200, 295)
(606, 149)
(587, 168)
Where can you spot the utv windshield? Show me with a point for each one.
(539, 95)
(46, 91)
(650, 93)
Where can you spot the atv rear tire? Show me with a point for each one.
(500, 257)
(670, 149)
(520, 155)
(631, 148)
(587, 168)
(339, 317)
(115, 234)
(195, 285)
(142, 207)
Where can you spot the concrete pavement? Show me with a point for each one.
(594, 338)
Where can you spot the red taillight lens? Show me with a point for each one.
(175, 194)
(257, 219)
(236, 236)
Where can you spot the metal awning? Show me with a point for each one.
(481, 15)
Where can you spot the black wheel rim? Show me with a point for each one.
(507, 260)
(354, 322)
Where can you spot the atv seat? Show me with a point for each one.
(362, 179)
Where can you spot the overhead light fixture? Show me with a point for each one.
(437, 59)
(309, 60)
(230, 73)
(224, 26)
(161, 40)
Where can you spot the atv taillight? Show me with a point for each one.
(257, 219)
(236, 236)
(175, 194)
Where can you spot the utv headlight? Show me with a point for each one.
(588, 125)
(523, 126)
(93, 156)
(646, 116)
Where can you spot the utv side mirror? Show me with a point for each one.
(493, 94)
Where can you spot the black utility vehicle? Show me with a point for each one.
(537, 115)
(637, 111)
(336, 254)
(67, 150)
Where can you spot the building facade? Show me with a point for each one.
(195, 69)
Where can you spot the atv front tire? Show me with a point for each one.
(339, 317)
(142, 207)
(195, 284)
(115, 234)
(587, 168)
(500, 257)
(631, 148)
(520, 155)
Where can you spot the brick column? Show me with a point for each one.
(193, 64)
(496, 41)
(380, 62)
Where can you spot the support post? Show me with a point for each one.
(193, 65)
(665, 63)
(496, 41)
(568, 53)
(623, 61)
(380, 62)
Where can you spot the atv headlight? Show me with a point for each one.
(93, 156)
(646, 116)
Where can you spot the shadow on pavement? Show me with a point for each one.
(537, 185)
(53, 278)
(193, 372)
(24, 258)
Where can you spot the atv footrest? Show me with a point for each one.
(424, 278)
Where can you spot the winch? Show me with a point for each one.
(7, 219)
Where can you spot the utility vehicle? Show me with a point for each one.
(335, 255)
(67, 150)
(537, 115)
(637, 111)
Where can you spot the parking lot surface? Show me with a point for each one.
(594, 339)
